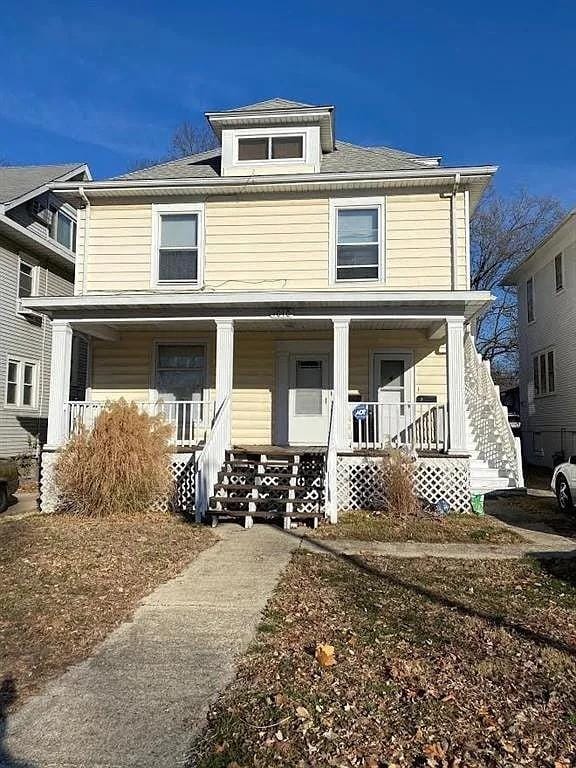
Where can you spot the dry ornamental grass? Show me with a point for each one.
(121, 466)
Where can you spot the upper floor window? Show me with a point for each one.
(63, 229)
(530, 299)
(178, 244)
(26, 279)
(544, 373)
(21, 384)
(358, 242)
(559, 272)
(259, 148)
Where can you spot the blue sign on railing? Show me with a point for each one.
(360, 413)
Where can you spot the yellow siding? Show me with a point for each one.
(277, 243)
(125, 369)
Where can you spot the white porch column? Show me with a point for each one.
(59, 382)
(341, 365)
(455, 376)
(224, 364)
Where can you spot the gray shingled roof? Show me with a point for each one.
(277, 103)
(17, 180)
(346, 157)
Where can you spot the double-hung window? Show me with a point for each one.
(26, 279)
(558, 273)
(530, 300)
(178, 245)
(358, 241)
(544, 373)
(21, 383)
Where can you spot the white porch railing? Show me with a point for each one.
(191, 419)
(331, 479)
(380, 425)
(211, 458)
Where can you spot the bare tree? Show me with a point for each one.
(504, 230)
(190, 139)
(187, 139)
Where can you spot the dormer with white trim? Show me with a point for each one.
(273, 137)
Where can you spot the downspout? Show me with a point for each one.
(86, 233)
(454, 231)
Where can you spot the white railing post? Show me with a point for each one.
(341, 411)
(456, 391)
(60, 361)
(224, 368)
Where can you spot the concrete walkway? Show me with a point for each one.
(144, 694)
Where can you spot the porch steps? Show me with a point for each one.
(282, 484)
(486, 479)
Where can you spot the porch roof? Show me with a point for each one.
(418, 305)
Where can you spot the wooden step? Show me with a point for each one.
(226, 501)
(265, 488)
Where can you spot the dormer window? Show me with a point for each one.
(264, 148)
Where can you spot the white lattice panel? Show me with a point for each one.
(183, 498)
(360, 484)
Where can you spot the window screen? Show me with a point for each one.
(286, 147)
(308, 395)
(357, 244)
(253, 149)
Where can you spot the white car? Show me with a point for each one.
(564, 484)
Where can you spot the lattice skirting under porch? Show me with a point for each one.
(182, 501)
(436, 478)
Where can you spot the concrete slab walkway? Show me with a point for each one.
(138, 701)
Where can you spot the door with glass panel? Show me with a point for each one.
(308, 401)
(393, 394)
(180, 382)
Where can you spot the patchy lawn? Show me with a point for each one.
(68, 581)
(364, 526)
(438, 663)
(533, 513)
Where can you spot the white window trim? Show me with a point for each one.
(18, 405)
(270, 133)
(337, 203)
(64, 211)
(23, 259)
(537, 356)
(528, 279)
(157, 211)
(562, 270)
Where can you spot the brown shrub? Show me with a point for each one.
(398, 490)
(121, 466)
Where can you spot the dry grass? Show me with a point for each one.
(68, 581)
(398, 487)
(122, 465)
(438, 663)
(365, 526)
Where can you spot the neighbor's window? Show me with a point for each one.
(358, 243)
(26, 281)
(178, 247)
(271, 148)
(64, 229)
(21, 384)
(544, 373)
(559, 272)
(530, 299)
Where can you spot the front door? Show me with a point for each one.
(308, 399)
(393, 388)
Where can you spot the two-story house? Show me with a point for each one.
(37, 248)
(546, 283)
(294, 304)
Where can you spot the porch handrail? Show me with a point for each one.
(331, 480)
(186, 416)
(420, 425)
(211, 457)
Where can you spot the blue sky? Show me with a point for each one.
(106, 82)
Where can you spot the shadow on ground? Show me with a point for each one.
(8, 697)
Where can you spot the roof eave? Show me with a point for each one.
(39, 246)
(82, 168)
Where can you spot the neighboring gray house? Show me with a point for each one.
(546, 283)
(37, 254)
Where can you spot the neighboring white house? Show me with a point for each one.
(546, 283)
(37, 252)
(294, 304)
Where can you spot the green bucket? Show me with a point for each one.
(477, 501)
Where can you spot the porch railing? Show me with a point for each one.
(375, 426)
(191, 419)
(210, 460)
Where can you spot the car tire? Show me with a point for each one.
(3, 498)
(564, 495)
